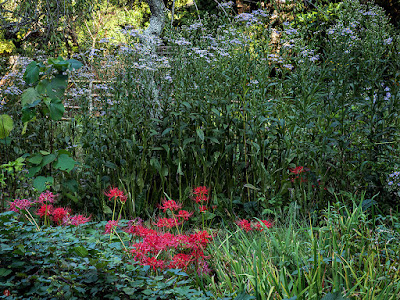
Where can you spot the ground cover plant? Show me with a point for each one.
(237, 156)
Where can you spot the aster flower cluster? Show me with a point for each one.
(393, 182)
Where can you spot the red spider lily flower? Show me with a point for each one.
(200, 191)
(58, 214)
(201, 237)
(297, 170)
(201, 198)
(167, 222)
(203, 208)
(18, 205)
(245, 225)
(153, 262)
(110, 226)
(116, 194)
(7, 293)
(214, 207)
(260, 226)
(184, 214)
(45, 209)
(46, 197)
(75, 220)
(180, 261)
(170, 205)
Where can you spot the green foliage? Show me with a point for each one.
(6, 126)
(77, 262)
(348, 256)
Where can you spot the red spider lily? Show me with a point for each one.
(260, 226)
(110, 226)
(200, 191)
(58, 214)
(167, 222)
(116, 194)
(180, 261)
(18, 205)
(46, 197)
(297, 170)
(75, 220)
(170, 205)
(201, 194)
(45, 209)
(185, 215)
(153, 262)
(245, 225)
(201, 198)
(139, 230)
(203, 208)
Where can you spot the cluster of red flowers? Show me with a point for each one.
(200, 194)
(22, 204)
(170, 205)
(115, 193)
(168, 251)
(297, 171)
(253, 226)
(59, 215)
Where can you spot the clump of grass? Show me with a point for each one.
(347, 253)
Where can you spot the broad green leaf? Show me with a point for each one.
(48, 159)
(39, 182)
(74, 64)
(57, 109)
(4, 272)
(81, 251)
(6, 125)
(200, 133)
(29, 96)
(57, 86)
(65, 163)
(33, 171)
(36, 159)
(107, 210)
(31, 74)
(71, 185)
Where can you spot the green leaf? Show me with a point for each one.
(4, 272)
(107, 210)
(244, 296)
(129, 291)
(74, 64)
(250, 186)
(200, 133)
(71, 185)
(5, 247)
(31, 74)
(6, 125)
(29, 96)
(57, 86)
(57, 109)
(48, 159)
(36, 159)
(65, 163)
(33, 171)
(39, 182)
(81, 251)
(334, 296)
